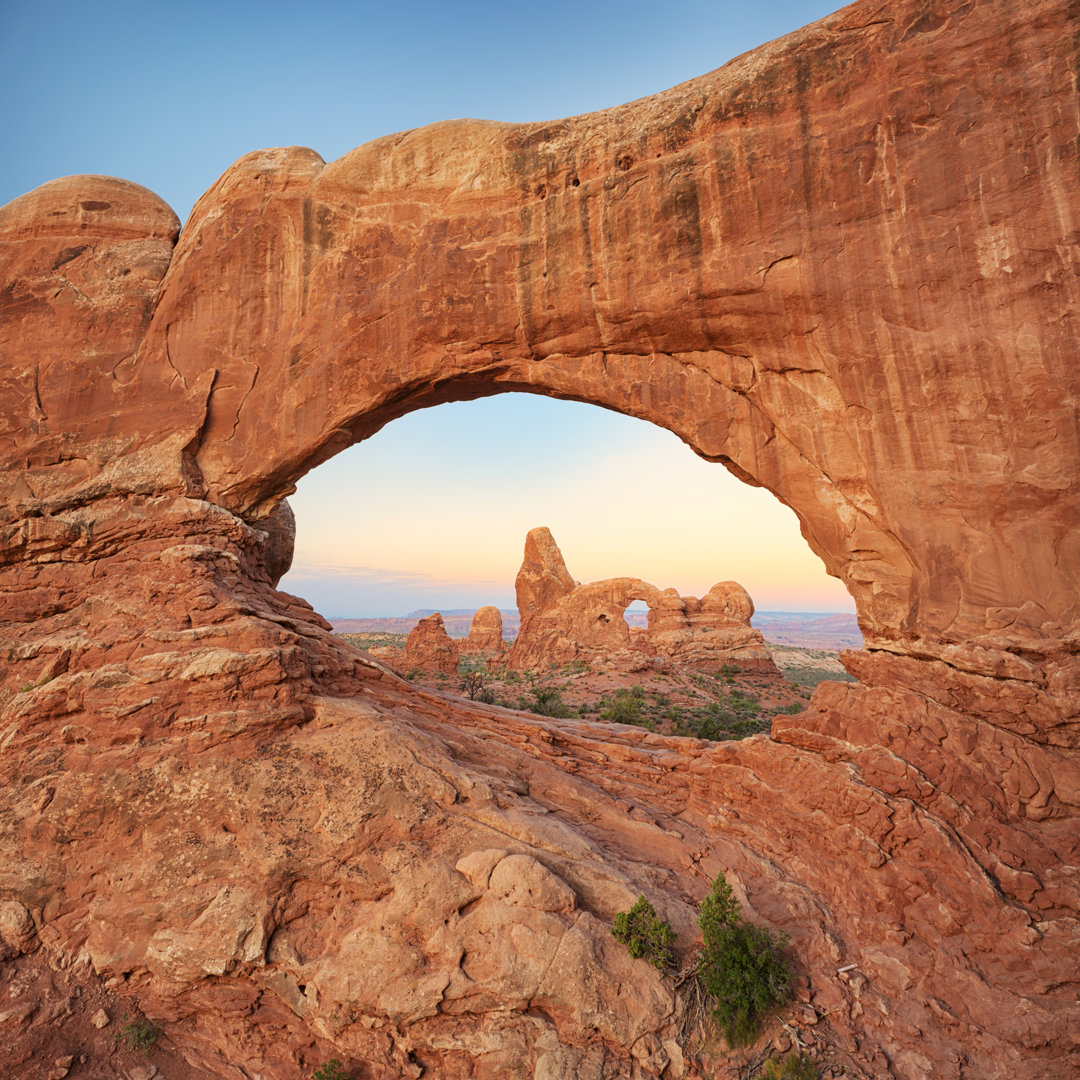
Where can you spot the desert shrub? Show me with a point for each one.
(743, 702)
(711, 726)
(475, 684)
(332, 1070)
(742, 966)
(138, 1033)
(625, 707)
(794, 1067)
(543, 699)
(645, 934)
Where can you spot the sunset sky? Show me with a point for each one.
(433, 510)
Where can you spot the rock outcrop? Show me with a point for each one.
(486, 633)
(844, 266)
(430, 648)
(563, 621)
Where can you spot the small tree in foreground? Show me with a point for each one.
(742, 966)
(645, 934)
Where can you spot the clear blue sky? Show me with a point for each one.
(169, 95)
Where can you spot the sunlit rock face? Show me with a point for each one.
(563, 621)
(844, 266)
(485, 633)
(430, 648)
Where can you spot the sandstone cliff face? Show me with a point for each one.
(563, 622)
(843, 266)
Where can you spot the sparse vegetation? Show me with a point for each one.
(626, 707)
(332, 1070)
(741, 967)
(475, 684)
(798, 1066)
(645, 934)
(542, 698)
(720, 705)
(805, 668)
(43, 681)
(376, 639)
(137, 1033)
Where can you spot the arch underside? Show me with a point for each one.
(844, 267)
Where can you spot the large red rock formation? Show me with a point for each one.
(563, 622)
(844, 265)
(485, 633)
(430, 648)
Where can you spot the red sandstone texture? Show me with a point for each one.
(429, 647)
(843, 265)
(486, 633)
(563, 621)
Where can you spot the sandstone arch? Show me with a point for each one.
(844, 265)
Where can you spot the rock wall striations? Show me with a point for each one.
(843, 266)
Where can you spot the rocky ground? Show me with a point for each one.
(57, 1023)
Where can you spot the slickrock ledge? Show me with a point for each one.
(844, 266)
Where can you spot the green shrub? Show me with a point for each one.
(794, 1067)
(138, 1034)
(544, 701)
(645, 934)
(625, 707)
(742, 966)
(332, 1070)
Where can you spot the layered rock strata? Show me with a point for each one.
(563, 621)
(843, 266)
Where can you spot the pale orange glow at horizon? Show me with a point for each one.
(437, 505)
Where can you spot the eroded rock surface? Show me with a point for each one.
(430, 648)
(486, 633)
(844, 265)
(563, 621)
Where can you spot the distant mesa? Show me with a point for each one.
(563, 621)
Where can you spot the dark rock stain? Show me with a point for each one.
(68, 254)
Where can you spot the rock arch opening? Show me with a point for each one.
(432, 513)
